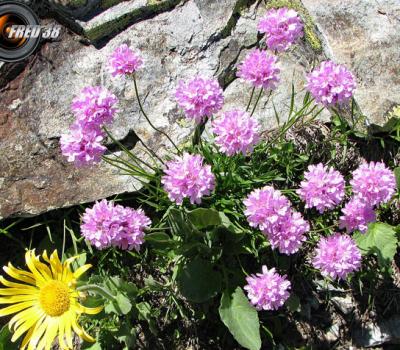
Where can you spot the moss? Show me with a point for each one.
(120, 23)
(77, 3)
(106, 4)
(395, 113)
(310, 33)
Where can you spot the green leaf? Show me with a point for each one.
(397, 175)
(120, 306)
(293, 303)
(380, 239)
(159, 240)
(241, 319)
(198, 282)
(202, 217)
(127, 335)
(5, 338)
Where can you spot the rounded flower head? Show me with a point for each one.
(124, 61)
(260, 69)
(357, 215)
(45, 302)
(199, 98)
(373, 183)
(337, 256)
(83, 145)
(322, 188)
(267, 290)
(331, 84)
(94, 106)
(282, 27)
(288, 234)
(106, 224)
(266, 207)
(236, 132)
(188, 177)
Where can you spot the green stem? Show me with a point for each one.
(251, 98)
(96, 289)
(147, 118)
(258, 99)
(197, 133)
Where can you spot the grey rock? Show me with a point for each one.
(36, 105)
(343, 304)
(375, 334)
(365, 36)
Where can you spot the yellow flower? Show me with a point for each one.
(45, 302)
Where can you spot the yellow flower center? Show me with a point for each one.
(54, 298)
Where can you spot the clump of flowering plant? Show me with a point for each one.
(234, 200)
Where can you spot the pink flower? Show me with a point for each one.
(357, 215)
(267, 290)
(323, 187)
(260, 69)
(288, 234)
(106, 224)
(337, 256)
(124, 61)
(265, 207)
(373, 183)
(94, 106)
(282, 27)
(331, 84)
(187, 177)
(199, 98)
(82, 145)
(236, 132)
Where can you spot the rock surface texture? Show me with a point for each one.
(178, 39)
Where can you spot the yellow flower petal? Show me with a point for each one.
(24, 327)
(15, 308)
(19, 275)
(90, 310)
(80, 271)
(17, 298)
(16, 285)
(81, 332)
(18, 291)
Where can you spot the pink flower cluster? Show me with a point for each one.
(188, 177)
(94, 107)
(271, 212)
(336, 256)
(267, 290)
(106, 225)
(357, 215)
(373, 183)
(282, 28)
(322, 188)
(236, 132)
(331, 84)
(199, 98)
(82, 146)
(124, 61)
(260, 69)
